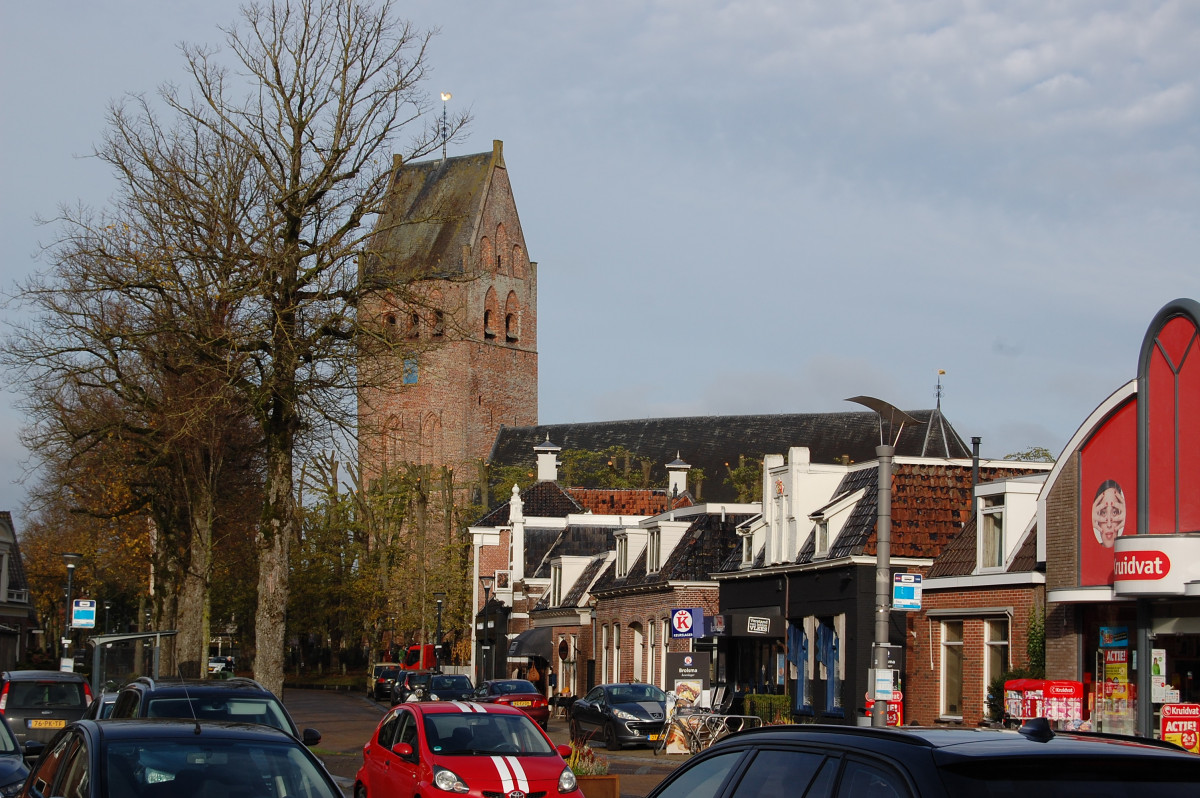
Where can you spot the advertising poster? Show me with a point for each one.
(1181, 725)
(1116, 673)
(1172, 394)
(1108, 493)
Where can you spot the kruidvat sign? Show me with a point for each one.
(1155, 565)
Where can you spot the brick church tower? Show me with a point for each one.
(455, 289)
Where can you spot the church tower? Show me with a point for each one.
(455, 294)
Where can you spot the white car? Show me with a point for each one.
(219, 664)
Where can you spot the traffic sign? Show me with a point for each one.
(906, 591)
(83, 614)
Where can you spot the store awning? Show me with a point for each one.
(531, 643)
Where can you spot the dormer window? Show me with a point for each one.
(654, 551)
(555, 585)
(822, 537)
(991, 531)
(622, 556)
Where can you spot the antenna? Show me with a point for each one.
(445, 127)
(187, 695)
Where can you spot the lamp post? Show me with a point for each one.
(71, 559)
(486, 582)
(437, 638)
(107, 607)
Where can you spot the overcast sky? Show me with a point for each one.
(756, 207)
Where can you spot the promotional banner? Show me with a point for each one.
(1181, 725)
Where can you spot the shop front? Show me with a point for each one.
(1122, 550)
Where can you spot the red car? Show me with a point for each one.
(432, 748)
(517, 693)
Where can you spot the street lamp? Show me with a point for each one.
(107, 607)
(486, 582)
(437, 639)
(71, 560)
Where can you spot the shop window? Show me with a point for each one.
(996, 640)
(952, 669)
(800, 664)
(991, 532)
(829, 657)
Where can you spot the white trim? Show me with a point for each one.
(984, 580)
(1081, 595)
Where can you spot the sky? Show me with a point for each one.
(755, 206)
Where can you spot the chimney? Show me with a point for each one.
(975, 461)
(677, 476)
(547, 460)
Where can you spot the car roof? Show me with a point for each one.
(137, 728)
(964, 743)
(43, 676)
(462, 707)
(207, 686)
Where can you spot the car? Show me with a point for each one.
(37, 704)
(409, 682)
(12, 762)
(173, 758)
(434, 748)
(219, 664)
(450, 687)
(519, 693)
(621, 714)
(373, 676)
(237, 699)
(385, 677)
(101, 706)
(822, 761)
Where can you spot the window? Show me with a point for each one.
(991, 532)
(799, 660)
(822, 541)
(439, 324)
(488, 332)
(829, 655)
(510, 328)
(862, 778)
(704, 780)
(996, 640)
(622, 556)
(653, 551)
(952, 669)
(555, 585)
(779, 773)
(414, 326)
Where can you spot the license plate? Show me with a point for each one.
(47, 724)
(653, 737)
(522, 703)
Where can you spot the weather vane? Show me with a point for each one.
(445, 127)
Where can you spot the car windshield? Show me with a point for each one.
(513, 686)
(451, 682)
(206, 766)
(45, 695)
(632, 693)
(418, 679)
(244, 709)
(389, 674)
(460, 734)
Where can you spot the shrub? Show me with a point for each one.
(583, 761)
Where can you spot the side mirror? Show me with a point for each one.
(564, 750)
(403, 750)
(34, 748)
(310, 737)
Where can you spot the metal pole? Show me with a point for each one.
(437, 640)
(487, 634)
(883, 576)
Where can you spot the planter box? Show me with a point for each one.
(600, 786)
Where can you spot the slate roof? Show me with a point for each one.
(431, 214)
(706, 544)
(958, 558)
(576, 540)
(540, 500)
(709, 442)
(574, 596)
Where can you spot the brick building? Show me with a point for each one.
(454, 287)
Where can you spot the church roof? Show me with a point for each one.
(431, 213)
(712, 442)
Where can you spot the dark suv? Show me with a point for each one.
(236, 699)
(37, 704)
(817, 761)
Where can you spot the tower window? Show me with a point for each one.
(414, 326)
(389, 326)
(439, 324)
(488, 332)
(510, 328)
(410, 371)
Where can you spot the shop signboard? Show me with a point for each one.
(687, 675)
(1155, 565)
(895, 710)
(688, 622)
(1181, 725)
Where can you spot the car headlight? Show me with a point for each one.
(566, 781)
(433, 697)
(448, 780)
(13, 789)
(621, 714)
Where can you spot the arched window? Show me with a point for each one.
(389, 326)
(490, 314)
(439, 324)
(414, 326)
(512, 318)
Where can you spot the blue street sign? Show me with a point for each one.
(906, 592)
(83, 614)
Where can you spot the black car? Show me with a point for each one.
(101, 706)
(818, 761)
(409, 682)
(37, 704)
(450, 687)
(620, 714)
(381, 688)
(176, 759)
(237, 699)
(12, 762)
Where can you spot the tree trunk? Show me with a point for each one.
(275, 536)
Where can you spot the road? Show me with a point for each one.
(347, 720)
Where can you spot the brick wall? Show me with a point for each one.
(1062, 571)
(639, 611)
(922, 690)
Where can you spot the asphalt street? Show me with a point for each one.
(347, 720)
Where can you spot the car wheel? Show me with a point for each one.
(360, 791)
(610, 737)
